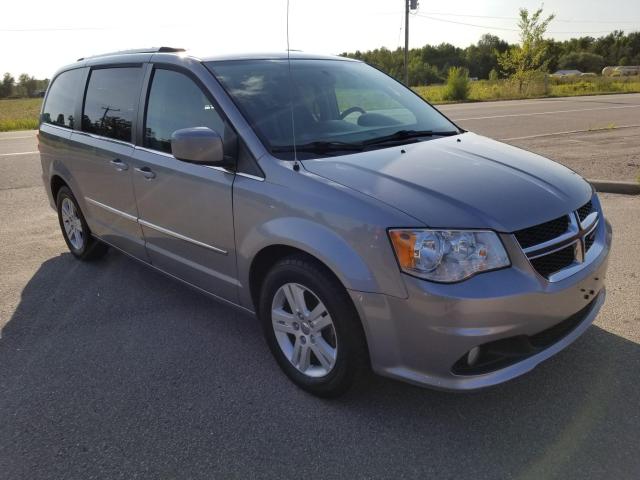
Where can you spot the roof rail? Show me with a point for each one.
(137, 50)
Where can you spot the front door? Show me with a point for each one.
(185, 210)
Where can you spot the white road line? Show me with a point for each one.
(540, 101)
(545, 113)
(490, 104)
(568, 132)
(17, 153)
(17, 138)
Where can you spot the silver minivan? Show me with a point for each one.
(364, 229)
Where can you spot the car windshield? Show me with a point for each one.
(336, 106)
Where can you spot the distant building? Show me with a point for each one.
(566, 73)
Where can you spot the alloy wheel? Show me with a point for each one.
(72, 223)
(304, 330)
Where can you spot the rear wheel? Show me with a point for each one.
(75, 230)
(312, 327)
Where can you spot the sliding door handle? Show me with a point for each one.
(146, 171)
(119, 164)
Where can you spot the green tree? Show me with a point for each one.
(27, 85)
(482, 57)
(526, 60)
(6, 87)
(422, 73)
(457, 84)
(583, 61)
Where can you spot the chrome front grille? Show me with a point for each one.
(544, 232)
(551, 263)
(585, 210)
(556, 246)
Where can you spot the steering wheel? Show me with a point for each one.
(351, 110)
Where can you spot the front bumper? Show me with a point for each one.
(420, 339)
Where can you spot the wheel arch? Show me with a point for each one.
(263, 246)
(56, 183)
(269, 256)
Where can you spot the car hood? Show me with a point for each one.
(464, 181)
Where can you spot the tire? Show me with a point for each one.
(336, 353)
(75, 230)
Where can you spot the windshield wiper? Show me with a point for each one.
(320, 147)
(408, 134)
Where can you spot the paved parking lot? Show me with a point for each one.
(110, 370)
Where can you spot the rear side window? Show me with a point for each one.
(59, 109)
(176, 102)
(111, 102)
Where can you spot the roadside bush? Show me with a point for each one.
(458, 85)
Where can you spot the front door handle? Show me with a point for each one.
(119, 164)
(147, 172)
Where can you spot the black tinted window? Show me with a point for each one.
(61, 100)
(176, 102)
(110, 104)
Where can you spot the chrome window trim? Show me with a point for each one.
(252, 177)
(100, 137)
(179, 236)
(111, 209)
(157, 152)
(220, 169)
(52, 125)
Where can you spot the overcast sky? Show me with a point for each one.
(38, 36)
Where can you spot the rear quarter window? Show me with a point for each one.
(111, 102)
(59, 108)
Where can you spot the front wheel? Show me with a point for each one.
(312, 327)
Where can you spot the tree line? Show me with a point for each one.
(487, 58)
(26, 86)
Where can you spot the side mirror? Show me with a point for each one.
(198, 145)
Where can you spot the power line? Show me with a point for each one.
(466, 24)
(75, 29)
(518, 18)
(502, 28)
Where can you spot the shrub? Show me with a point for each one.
(457, 87)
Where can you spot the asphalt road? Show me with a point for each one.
(110, 370)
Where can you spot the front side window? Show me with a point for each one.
(111, 101)
(176, 102)
(61, 99)
(331, 105)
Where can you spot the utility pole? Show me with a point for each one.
(406, 42)
(408, 5)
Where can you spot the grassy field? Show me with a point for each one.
(19, 114)
(486, 90)
(22, 113)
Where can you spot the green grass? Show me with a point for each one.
(19, 114)
(486, 90)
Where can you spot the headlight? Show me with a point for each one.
(447, 255)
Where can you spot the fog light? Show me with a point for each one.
(472, 356)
